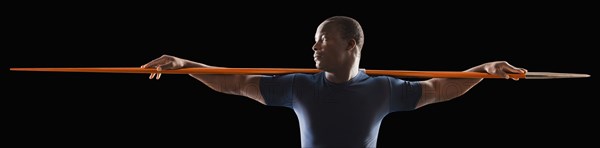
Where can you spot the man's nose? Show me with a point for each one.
(315, 46)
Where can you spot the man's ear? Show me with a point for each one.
(351, 44)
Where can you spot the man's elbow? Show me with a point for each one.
(449, 89)
(449, 97)
(228, 90)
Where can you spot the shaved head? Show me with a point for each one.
(348, 28)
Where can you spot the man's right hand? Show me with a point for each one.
(166, 62)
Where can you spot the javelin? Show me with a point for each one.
(278, 71)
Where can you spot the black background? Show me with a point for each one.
(128, 109)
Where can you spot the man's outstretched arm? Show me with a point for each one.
(444, 89)
(243, 85)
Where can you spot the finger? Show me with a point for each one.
(514, 69)
(152, 75)
(504, 66)
(522, 70)
(511, 69)
(145, 66)
(502, 74)
(158, 68)
(156, 62)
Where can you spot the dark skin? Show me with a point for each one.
(340, 59)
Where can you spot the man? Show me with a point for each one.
(341, 106)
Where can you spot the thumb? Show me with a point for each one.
(166, 66)
(511, 69)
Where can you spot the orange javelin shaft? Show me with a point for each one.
(396, 73)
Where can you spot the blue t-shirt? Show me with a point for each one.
(340, 115)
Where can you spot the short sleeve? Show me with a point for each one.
(404, 94)
(277, 90)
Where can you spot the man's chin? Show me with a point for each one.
(319, 67)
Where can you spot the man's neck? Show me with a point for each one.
(342, 75)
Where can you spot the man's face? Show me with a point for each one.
(329, 47)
